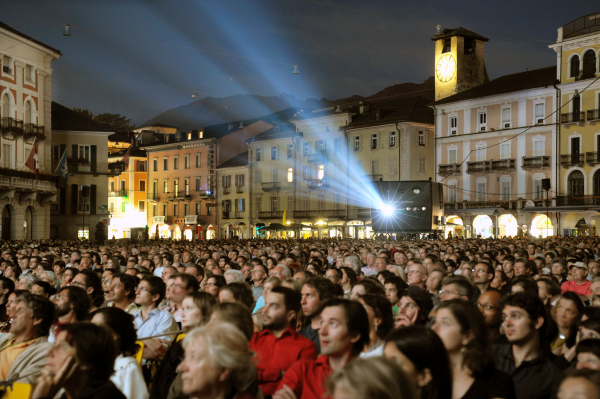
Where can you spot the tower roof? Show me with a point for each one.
(460, 31)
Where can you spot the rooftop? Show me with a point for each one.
(157, 125)
(238, 160)
(535, 78)
(64, 118)
(220, 130)
(412, 109)
(460, 31)
(24, 36)
(135, 152)
(276, 132)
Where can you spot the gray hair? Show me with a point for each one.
(236, 276)
(285, 271)
(29, 278)
(54, 280)
(354, 263)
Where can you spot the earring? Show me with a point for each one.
(463, 350)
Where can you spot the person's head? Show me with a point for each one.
(282, 306)
(314, 292)
(413, 307)
(434, 280)
(463, 330)
(484, 273)
(235, 313)
(91, 283)
(42, 288)
(422, 355)
(217, 357)
(569, 309)
(588, 354)
(122, 288)
(32, 317)
(92, 347)
(456, 287)
(11, 304)
(150, 291)
(334, 274)
(374, 377)
(523, 317)
(393, 286)
(72, 300)
(281, 272)
(559, 268)
(417, 274)
(214, 284)
(196, 309)
(7, 286)
(366, 286)
(25, 282)
(120, 324)
(183, 284)
(524, 283)
(379, 311)
(580, 384)
(489, 306)
(234, 276)
(259, 273)
(579, 271)
(547, 288)
(344, 327)
(237, 292)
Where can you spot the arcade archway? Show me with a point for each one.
(483, 226)
(541, 226)
(507, 226)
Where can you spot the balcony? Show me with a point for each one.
(226, 190)
(153, 197)
(271, 186)
(183, 195)
(163, 219)
(206, 194)
(33, 131)
(240, 214)
(449, 169)
(539, 162)
(572, 118)
(502, 164)
(118, 193)
(12, 126)
(508, 205)
(225, 214)
(319, 157)
(317, 183)
(592, 158)
(92, 168)
(478, 167)
(320, 214)
(239, 189)
(568, 160)
(270, 214)
(567, 200)
(593, 115)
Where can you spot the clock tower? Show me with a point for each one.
(459, 63)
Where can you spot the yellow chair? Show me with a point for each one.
(19, 391)
(140, 353)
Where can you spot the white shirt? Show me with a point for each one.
(129, 379)
(158, 271)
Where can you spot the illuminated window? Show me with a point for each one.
(392, 139)
(290, 175)
(321, 172)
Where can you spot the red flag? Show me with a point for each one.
(33, 161)
(125, 159)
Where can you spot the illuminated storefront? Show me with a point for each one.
(121, 223)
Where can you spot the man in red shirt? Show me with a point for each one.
(279, 345)
(580, 284)
(344, 333)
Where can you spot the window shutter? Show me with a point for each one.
(62, 149)
(93, 160)
(74, 150)
(243, 204)
(74, 198)
(93, 199)
(63, 200)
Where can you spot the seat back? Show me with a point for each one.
(19, 391)
(140, 352)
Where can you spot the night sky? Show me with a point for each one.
(140, 58)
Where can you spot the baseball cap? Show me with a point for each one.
(578, 264)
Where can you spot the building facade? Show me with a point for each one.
(83, 201)
(234, 198)
(25, 98)
(495, 144)
(578, 197)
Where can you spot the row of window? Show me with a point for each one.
(304, 203)
(186, 185)
(8, 68)
(175, 209)
(8, 107)
(505, 123)
(505, 151)
(583, 68)
(481, 193)
(186, 162)
(123, 185)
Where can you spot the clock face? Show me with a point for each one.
(445, 68)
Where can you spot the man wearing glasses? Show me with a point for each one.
(483, 276)
(259, 275)
(489, 305)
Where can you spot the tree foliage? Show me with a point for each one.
(117, 122)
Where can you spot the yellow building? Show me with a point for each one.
(578, 194)
(127, 195)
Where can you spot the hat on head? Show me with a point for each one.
(578, 264)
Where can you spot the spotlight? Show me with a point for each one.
(387, 210)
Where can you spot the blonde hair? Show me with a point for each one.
(373, 378)
(227, 348)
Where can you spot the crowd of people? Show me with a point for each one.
(302, 319)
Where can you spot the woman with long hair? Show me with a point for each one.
(462, 329)
(421, 354)
(563, 335)
(381, 322)
(128, 376)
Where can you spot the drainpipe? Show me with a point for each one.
(399, 152)
(250, 170)
(558, 102)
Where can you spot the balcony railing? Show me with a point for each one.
(320, 213)
(478, 166)
(318, 157)
(153, 197)
(567, 160)
(206, 194)
(240, 214)
(508, 205)
(572, 117)
(118, 193)
(538, 162)
(270, 215)
(33, 131)
(225, 214)
(271, 186)
(11, 126)
(592, 158)
(449, 169)
(317, 183)
(92, 168)
(568, 200)
(593, 115)
(239, 189)
(502, 164)
(226, 190)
